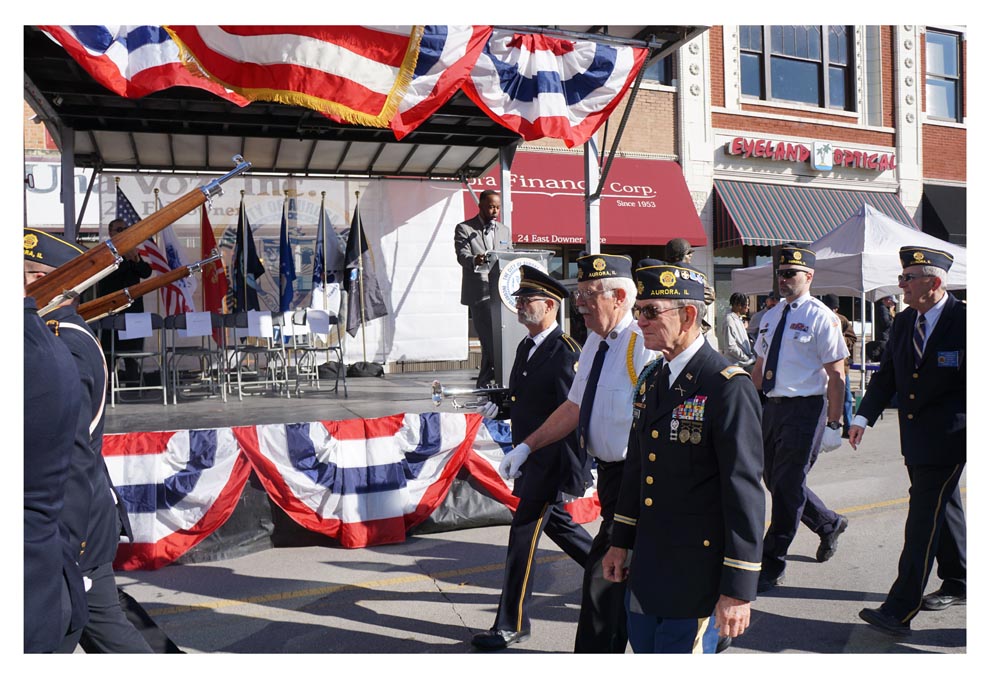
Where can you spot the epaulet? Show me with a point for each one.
(571, 342)
(53, 326)
(647, 371)
(732, 371)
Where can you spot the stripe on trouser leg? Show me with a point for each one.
(529, 565)
(697, 647)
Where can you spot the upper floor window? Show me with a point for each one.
(804, 64)
(943, 83)
(660, 71)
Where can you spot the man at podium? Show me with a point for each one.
(473, 240)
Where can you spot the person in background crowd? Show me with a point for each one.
(849, 337)
(679, 251)
(925, 365)
(733, 341)
(800, 369)
(131, 270)
(599, 405)
(472, 240)
(540, 380)
(884, 320)
(754, 321)
(680, 597)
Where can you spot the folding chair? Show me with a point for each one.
(120, 323)
(315, 337)
(205, 352)
(255, 351)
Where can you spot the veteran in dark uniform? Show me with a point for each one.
(691, 505)
(539, 382)
(95, 516)
(924, 365)
(54, 594)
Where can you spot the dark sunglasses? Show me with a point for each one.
(908, 277)
(788, 273)
(650, 312)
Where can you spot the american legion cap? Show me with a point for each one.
(534, 282)
(660, 280)
(45, 248)
(794, 256)
(595, 267)
(912, 255)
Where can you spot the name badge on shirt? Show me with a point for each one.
(948, 359)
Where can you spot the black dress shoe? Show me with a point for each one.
(723, 643)
(765, 584)
(885, 622)
(830, 542)
(497, 639)
(939, 601)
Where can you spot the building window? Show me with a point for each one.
(660, 71)
(943, 85)
(804, 64)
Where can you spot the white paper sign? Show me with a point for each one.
(260, 324)
(135, 325)
(197, 324)
(319, 321)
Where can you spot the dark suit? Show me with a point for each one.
(127, 274)
(96, 517)
(691, 505)
(470, 239)
(54, 597)
(932, 416)
(536, 388)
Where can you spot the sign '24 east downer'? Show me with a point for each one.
(823, 155)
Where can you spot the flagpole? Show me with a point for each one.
(244, 257)
(360, 258)
(322, 226)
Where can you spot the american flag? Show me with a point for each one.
(174, 298)
(132, 61)
(362, 482)
(551, 87)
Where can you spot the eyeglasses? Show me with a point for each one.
(650, 312)
(908, 277)
(578, 296)
(527, 299)
(788, 273)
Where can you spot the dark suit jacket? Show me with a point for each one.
(54, 597)
(932, 397)
(468, 242)
(692, 510)
(536, 388)
(91, 499)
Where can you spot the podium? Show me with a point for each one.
(503, 280)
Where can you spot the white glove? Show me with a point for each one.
(831, 439)
(490, 409)
(513, 460)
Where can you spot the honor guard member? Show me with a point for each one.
(691, 505)
(540, 380)
(599, 406)
(96, 517)
(800, 367)
(54, 594)
(925, 367)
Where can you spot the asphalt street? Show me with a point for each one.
(430, 594)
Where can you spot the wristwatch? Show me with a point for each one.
(834, 424)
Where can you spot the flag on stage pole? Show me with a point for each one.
(286, 263)
(245, 267)
(173, 297)
(185, 302)
(551, 87)
(328, 263)
(351, 74)
(132, 61)
(365, 301)
(214, 277)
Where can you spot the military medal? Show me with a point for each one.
(684, 435)
(696, 437)
(673, 429)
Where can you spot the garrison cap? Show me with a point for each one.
(792, 255)
(660, 280)
(45, 248)
(914, 255)
(594, 267)
(534, 282)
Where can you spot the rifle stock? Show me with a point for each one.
(88, 268)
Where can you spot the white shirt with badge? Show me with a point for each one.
(611, 415)
(812, 338)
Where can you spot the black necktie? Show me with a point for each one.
(588, 398)
(522, 354)
(919, 340)
(770, 369)
(665, 376)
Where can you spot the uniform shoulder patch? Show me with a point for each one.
(732, 371)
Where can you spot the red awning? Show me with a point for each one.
(644, 202)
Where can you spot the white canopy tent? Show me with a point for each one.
(859, 258)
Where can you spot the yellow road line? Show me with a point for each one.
(407, 579)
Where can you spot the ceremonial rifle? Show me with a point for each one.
(96, 263)
(120, 300)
